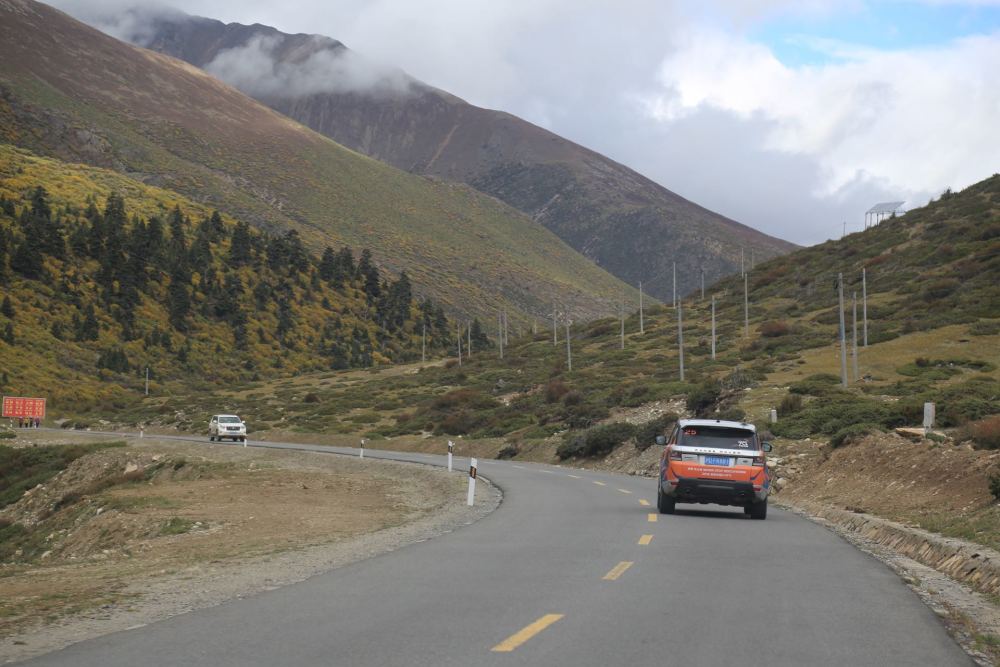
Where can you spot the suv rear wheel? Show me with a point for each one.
(665, 503)
(757, 510)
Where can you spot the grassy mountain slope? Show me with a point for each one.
(94, 293)
(71, 92)
(625, 222)
(934, 335)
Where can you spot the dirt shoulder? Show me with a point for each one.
(183, 526)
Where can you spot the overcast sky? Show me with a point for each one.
(792, 116)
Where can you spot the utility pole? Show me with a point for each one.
(854, 324)
(147, 380)
(459, 326)
(555, 329)
(844, 233)
(743, 270)
(423, 343)
(506, 334)
(642, 326)
(680, 337)
(713, 327)
(674, 302)
(843, 336)
(622, 313)
(569, 350)
(746, 305)
(500, 331)
(469, 333)
(864, 302)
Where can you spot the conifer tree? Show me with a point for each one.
(8, 334)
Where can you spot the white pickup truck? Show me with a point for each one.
(227, 426)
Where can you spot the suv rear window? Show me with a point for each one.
(717, 437)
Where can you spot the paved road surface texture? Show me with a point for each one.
(574, 569)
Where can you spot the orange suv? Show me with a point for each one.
(714, 461)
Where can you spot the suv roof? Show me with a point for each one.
(716, 422)
(237, 416)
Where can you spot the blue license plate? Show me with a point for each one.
(717, 460)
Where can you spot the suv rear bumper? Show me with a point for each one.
(717, 491)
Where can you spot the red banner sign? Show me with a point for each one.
(19, 406)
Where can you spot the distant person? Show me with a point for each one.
(20, 422)
(38, 422)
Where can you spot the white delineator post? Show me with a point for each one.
(472, 482)
(928, 417)
(361, 451)
(451, 448)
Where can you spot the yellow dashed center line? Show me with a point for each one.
(617, 570)
(645, 539)
(643, 502)
(600, 483)
(625, 491)
(651, 517)
(521, 636)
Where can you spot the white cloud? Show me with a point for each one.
(255, 69)
(918, 120)
(675, 89)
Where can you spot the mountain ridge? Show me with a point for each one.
(97, 100)
(622, 220)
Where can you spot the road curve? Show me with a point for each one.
(573, 569)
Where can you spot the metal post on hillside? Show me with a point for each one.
(746, 305)
(569, 350)
(468, 331)
(459, 328)
(642, 325)
(854, 326)
(713, 327)
(864, 303)
(674, 302)
(147, 380)
(680, 337)
(555, 328)
(743, 270)
(500, 332)
(843, 335)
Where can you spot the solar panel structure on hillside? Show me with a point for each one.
(880, 211)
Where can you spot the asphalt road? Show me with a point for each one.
(573, 569)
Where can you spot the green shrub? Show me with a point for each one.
(985, 433)
(995, 486)
(7, 435)
(508, 452)
(789, 405)
(555, 390)
(851, 433)
(819, 384)
(645, 434)
(985, 328)
(598, 441)
(703, 397)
